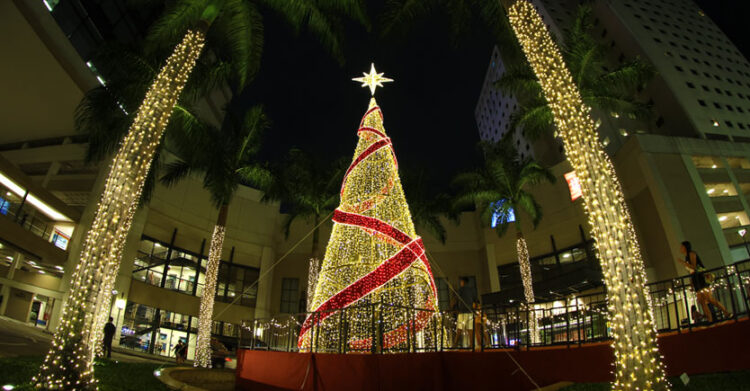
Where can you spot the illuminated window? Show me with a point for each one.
(720, 189)
(733, 219)
(707, 162)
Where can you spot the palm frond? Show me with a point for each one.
(176, 20)
(519, 81)
(400, 14)
(175, 172)
(237, 38)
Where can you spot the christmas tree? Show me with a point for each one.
(375, 278)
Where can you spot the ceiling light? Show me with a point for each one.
(722, 218)
(711, 191)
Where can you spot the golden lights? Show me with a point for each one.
(205, 314)
(371, 189)
(638, 364)
(528, 286)
(69, 362)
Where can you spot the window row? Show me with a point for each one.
(180, 270)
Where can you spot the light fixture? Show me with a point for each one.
(722, 218)
(714, 166)
(9, 387)
(120, 303)
(742, 232)
(711, 191)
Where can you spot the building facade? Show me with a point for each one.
(683, 170)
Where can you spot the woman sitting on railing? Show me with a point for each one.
(695, 266)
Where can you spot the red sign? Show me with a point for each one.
(574, 185)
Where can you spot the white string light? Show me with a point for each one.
(638, 364)
(205, 321)
(69, 362)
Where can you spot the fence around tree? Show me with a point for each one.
(572, 320)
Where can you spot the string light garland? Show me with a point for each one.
(312, 279)
(528, 287)
(69, 363)
(205, 314)
(638, 365)
(374, 261)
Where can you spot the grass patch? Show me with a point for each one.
(738, 381)
(112, 376)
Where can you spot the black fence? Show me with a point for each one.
(571, 320)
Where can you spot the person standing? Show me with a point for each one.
(702, 289)
(109, 333)
(178, 353)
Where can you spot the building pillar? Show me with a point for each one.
(489, 249)
(265, 284)
(17, 260)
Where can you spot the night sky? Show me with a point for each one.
(429, 109)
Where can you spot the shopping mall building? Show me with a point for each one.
(685, 178)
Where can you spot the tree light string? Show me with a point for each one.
(205, 319)
(373, 256)
(638, 364)
(69, 362)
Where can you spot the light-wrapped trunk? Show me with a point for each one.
(637, 360)
(205, 316)
(69, 363)
(522, 252)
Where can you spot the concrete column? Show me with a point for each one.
(722, 247)
(125, 274)
(17, 260)
(265, 284)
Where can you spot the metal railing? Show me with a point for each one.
(572, 320)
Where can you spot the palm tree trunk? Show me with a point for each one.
(205, 319)
(522, 251)
(314, 268)
(637, 360)
(69, 360)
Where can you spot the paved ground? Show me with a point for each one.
(19, 339)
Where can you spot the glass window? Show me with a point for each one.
(289, 295)
(444, 296)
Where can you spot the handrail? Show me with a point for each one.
(576, 319)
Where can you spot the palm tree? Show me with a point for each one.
(231, 28)
(226, 157)
(427, 207)
(308, 188)
(637, 361)
(500, 189)
(602, 87)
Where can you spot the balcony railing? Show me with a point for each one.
(572, 320)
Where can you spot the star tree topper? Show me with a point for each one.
(372, 80)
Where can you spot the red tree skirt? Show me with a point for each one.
(716, 349)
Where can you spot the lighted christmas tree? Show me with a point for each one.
(375, 265)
